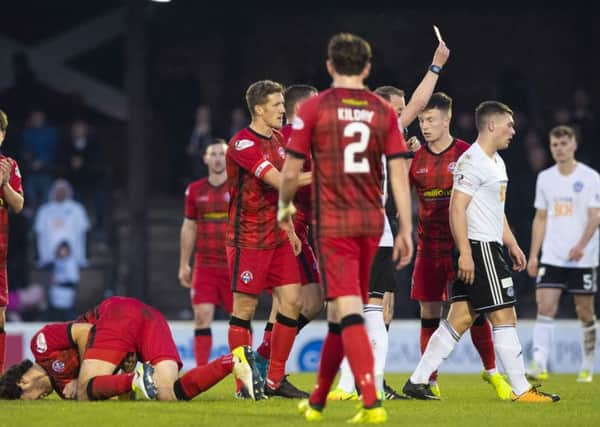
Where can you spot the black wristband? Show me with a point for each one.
(435, 69)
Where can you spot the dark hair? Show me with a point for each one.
(258, 93)
(560, 131)
(294, 94)
(488, 108)
(215, 141)
(9, 388)
(3, 121)
(441, 101)
(349, 54)
(386, 92)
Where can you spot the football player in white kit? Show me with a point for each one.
(565, 228)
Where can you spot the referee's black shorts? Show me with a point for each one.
(383, 278)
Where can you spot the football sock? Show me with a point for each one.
(379, 340)
(543, 332)
(106, 386)
(360, 357)
(202, 345)
(428, 327)
(282, 339)
(331, 357)
(264, 349)
(589, 345)
(441, 344)
(346, 381)
(239, 333)
(302, 321)
(481, 335)
(2, 349)
(510, 352)
(201, 378)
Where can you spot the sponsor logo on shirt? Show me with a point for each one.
(297, 123)
(437, 193)
(578, 186)
(355, 102)
(242, 144)
(246, 277)
(507, 282)
(58, 366)
(40, 343)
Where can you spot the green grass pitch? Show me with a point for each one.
(467, 401)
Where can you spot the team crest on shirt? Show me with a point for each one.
(451, 166)
(578, 186)
(297, 123)
(226, 197)
(242, 144)
(246, 277)
(40, 343)
(58, 366)
(281, 152)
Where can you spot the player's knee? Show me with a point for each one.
(547, 309)
(585, 312)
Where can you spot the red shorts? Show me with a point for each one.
(431, 277)
(127, 325)
(3, 286)
(309, 268)
(211, 285)
(346, 265)
(254, 270)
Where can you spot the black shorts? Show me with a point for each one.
(382, 278)
(570, 280)
(493, 287)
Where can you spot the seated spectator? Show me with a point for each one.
(58, 220)
(38, 153)
(63, 289)
(199, 139)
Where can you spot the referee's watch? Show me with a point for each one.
(435, 69)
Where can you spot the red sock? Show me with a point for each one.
(239, 334)
(332, 354)
(265, 347)
(202, 345)
(481, 335)
(201, 378)
(428, 327)
(107, 386)
(357, 348)
(2, 349)
(282, 339)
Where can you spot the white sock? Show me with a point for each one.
(509, 350)
(543, 332)
(378, 336)
(439, 347)
(346, 381)
(588, 345)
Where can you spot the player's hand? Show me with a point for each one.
(70, 390)
(413, 144)
(532, 267)
(466, 269)
(295, 242)
(5, 170)
(441, 54)
(576, 253)
(518, 258)
(403, 250)
(284, 216)
(185, 276)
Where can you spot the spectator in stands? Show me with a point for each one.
(61, 219)
(200, 138)
(24, 300)
(38, 153)
(84, 164)
(239, 120)
(63, 288)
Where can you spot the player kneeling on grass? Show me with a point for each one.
(120, 326)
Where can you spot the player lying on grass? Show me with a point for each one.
(120, 326)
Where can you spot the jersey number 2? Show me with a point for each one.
(351, 164)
